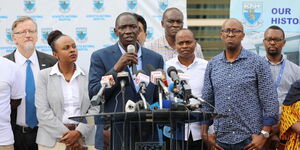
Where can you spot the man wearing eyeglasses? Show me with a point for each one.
(31, 61)
(284, 71)
(239, 84)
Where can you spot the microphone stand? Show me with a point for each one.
(123, 94)
(102, 102)
(160, 96)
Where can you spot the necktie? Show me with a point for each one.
(31, 119)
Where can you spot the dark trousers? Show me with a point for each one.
(237, 146)
(195, 145)
(25, 138)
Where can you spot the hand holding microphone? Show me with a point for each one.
(129, 58)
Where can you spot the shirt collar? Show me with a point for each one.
(195, 62)
(243, 54)
(166, 43)
(21, 60)
(77, 72)
(139, 54)
(275, 63)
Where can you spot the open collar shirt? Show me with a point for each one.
(244, 91)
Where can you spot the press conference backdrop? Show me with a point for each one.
(258, 15)
(89, 22)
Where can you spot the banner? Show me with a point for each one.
(89, 22)
(258, 15)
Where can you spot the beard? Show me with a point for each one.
(273, 53)
(28, 46)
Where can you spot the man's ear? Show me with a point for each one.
(116, 33)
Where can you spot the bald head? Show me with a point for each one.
(233, 21)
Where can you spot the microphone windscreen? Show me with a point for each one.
(130, 48)
(170, 69)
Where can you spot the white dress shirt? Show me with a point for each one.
(10, 88)
(195, 73)
(21, 62)
(70, 93)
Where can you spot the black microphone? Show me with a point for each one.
(123, 79)
(131, 49)
(107, 81)
(172, 72)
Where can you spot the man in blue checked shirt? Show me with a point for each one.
(239, 84)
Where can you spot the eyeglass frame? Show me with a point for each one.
(274, 40)
(233, 31)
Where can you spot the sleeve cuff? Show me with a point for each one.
(270, 120)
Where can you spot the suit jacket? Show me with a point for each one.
(103, 61)
(45, 61)
(49, 102)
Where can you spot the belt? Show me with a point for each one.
(26, 129)
(71, 126)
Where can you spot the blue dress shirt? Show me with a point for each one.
(244, 90)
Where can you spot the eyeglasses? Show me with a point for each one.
(25, 32)
(233, 31)
(276, 40)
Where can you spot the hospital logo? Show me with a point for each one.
(45, 32)
(29, 6)
(163, 5)
(252, 12)
(8, 35)
(149, 33)
(131, 4)
(64, 6)
(113, 36)
(98, 5)
(81, 34)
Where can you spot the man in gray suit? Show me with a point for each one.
(31, 61)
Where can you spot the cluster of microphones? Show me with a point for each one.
(179, 88)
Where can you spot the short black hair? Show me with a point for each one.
(124, 14)
(276, 28)
(169, 9)
(141, 20)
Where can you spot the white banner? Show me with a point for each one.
(258, 15)
(89, 22)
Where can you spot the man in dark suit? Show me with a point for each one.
(24, 34)
(116, 59)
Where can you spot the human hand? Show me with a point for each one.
(257, 142)
(126, 59)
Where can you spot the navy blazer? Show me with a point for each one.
(103, 61)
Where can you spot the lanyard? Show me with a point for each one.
(280, 74)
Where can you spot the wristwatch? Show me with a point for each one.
(266, 134)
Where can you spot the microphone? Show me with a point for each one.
(158, 78)
(172, 72)
(107, 81)
(142, 81)
(123, 79)
(131, 49)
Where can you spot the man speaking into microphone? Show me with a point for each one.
(116, 58)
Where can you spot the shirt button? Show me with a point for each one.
(233, 132)
(228, 86)
(229, 109)
(229, 75)
(230, 64)
(228, 97)
(230, 121)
